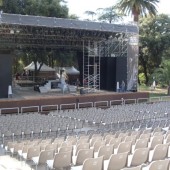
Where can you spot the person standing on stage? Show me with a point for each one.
(123, 86)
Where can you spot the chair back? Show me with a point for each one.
(93, 164)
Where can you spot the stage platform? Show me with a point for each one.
(25, 100)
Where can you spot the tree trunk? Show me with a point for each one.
(144, 65)
(136, 18)
(169, 90)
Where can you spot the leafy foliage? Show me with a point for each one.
(109, 14)
(138, 7)
(50, 8)
(154, 43)
(162, 74)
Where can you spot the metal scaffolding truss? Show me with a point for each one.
(91, 66)
(115, 47)
(36, 31)
(93, 51)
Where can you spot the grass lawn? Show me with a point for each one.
(158, 92)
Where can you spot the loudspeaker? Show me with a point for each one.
(82, 91)
(5, 73)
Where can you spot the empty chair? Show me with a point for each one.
(42, 146)
(116, 161)
(107, 140)
(147, 131)
(105, 151)
(167, 139)
(9, 146)
(123, 135)
(115, 142)
(51, 147)
(158, 165)
(47, 141)
(158, 133)
(131, 138)
(94, 139)
(24, 150)
(65, 149)
(84, 137)
(43, 157)
(93, 164)
(58, 140)
(98, 144)
(65, 144)
(167, 133)
(139, 157)
(136, 133)
(17, 147)
(141, 143)
(96, 135)
(157, 129)
(33, 151)
(82, 140)
(82, 146)
(124, 147)
(147, 135)
(61, 161)
(109, 136)
(156, 140)
(82, 155)
(73, 141)
(160, 152)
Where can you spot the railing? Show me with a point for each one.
(49, 107)
(30, 108)
(85, 104)
(11, 109)
(66, 106)
(78, 105)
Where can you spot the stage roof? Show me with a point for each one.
(26, 30)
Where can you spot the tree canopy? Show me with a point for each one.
(49, 8)
(154, 43)
(109, 14)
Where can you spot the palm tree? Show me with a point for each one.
(138, 7)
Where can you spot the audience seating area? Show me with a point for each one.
(128, 137)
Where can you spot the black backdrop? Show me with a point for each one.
(112, 70)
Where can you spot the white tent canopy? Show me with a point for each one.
(71, 70)
(44, 67)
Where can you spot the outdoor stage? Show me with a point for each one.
(25, 101)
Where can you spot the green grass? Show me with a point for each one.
(158, 92)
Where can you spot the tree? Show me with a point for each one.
(49, 8)
(73, 16)
(162, 74)
(154, 43)
(109, 14)
(91, 13)
(138, 7)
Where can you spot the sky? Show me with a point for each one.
(78, 7)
